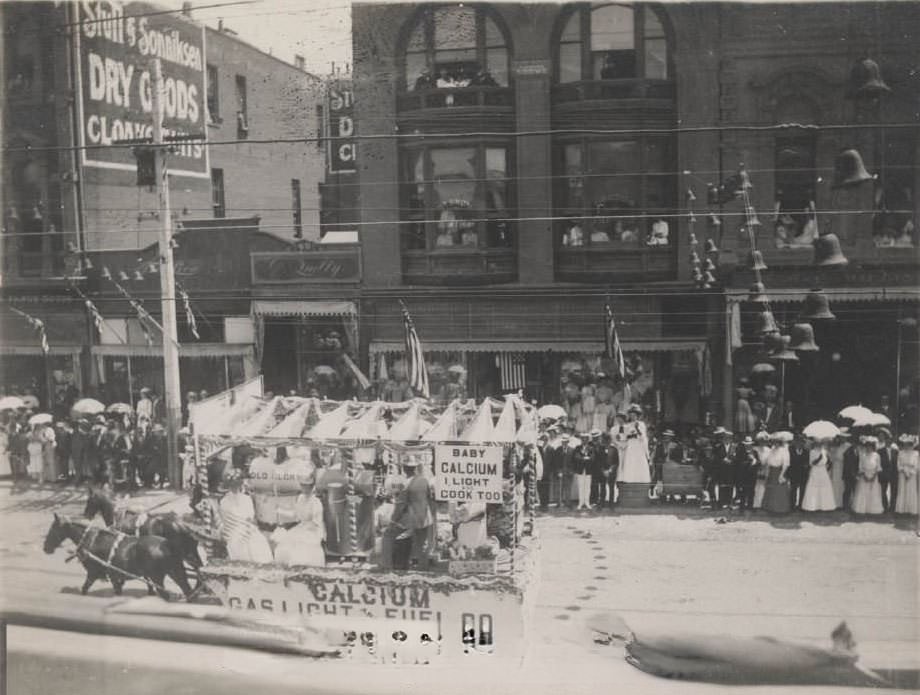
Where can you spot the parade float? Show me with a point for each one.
(470, 593)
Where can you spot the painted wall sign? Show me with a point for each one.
(117, 44)
(340, 128)
(311, 266)
(468, 473)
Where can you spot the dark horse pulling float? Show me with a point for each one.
(109, 553)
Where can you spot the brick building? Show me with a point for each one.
(541, 161)
(228, 198)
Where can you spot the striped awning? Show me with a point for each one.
(588, 346)
(193, 350)
(834, 294)
(288, 307)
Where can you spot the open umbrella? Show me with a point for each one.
(324, 369)
(30, 401)
(872, 420)
(763, 368)
(119, 409)
(854, 412)
(782, 436)
(457, 369)
(86, 407)
(11, 403)
(551, 412)
(821, 429)
(41, 419)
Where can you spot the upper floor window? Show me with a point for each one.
(610, 42)
(794, 184)
(218, 203)
(615, 193)
(242, 108)
(893, 223)
(213, 94)
(456, 197)
(455, 46)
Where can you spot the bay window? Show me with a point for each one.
(456, 198)
(615, 193)
(605, 41)
(454, 46)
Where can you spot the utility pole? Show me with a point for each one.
(172, 395)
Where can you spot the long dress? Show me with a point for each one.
(36, 462)
(908, 491)
(836, 456)
(760, 485)
(867, 498)
(635, 468)
(49, 454)
(6, 468)
(777, 497)
(302, 544)
(819, 491)
(243, 538)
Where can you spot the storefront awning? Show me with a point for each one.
(395, 346)
(285, 307)
(36, 350)
(200, 350)
(854, 294)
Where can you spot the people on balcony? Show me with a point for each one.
(455, 76)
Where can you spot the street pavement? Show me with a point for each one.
(669, 569)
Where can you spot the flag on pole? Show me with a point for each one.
(189, 314)
(612, 342)
(415, 360)
(39, 326)
(356, 370)
(513, 371)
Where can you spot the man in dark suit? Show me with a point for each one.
(611, 467)
(723, 466)
(850, 471)
(599, 472)
(772, 419)
(798, 470)
(413, 514)
(889, 475)
(566, 462)
(746, 465)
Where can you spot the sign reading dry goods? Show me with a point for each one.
(468, 473)
(118, 43)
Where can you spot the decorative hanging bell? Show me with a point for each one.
(710, 266)
(849, 170)
(697, 275)
(816, 307)
(766, 323)
(709, 278)
(866, 80)
(106, 275)
(758, 294)
(694, 258)
(71, 247)
(757, 261)
(87, 263)
(138, 276)
(772, 342)
(693, 240)
(783, 353)
(828, 253)
(123, 276)
(803, 338)
(711, 246)
(152, 268)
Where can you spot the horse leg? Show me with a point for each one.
(117, 585)
(91, 577)
(159, 579)
(178, 575)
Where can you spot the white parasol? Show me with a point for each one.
(872, 420)
(86, 406)
(11, 403)
(782, 436)
(821, 429)
(854, 412)
(41, 419)
(551, 412)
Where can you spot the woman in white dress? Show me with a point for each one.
(761, 450)
(634, 467)
(36, 467)
(908, 465)
(303, 543)
(819, 491)
(6, 468)
(840, 447)
(242, 536)
(867, 499)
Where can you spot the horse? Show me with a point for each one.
(107, 553)
(168, 526)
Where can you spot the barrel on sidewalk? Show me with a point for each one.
(633, 495)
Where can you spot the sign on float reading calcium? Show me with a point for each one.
(465, 473)
(117, 44)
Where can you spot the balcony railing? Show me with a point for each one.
(605, 90)
(614, 265)
(500, 98)
(460, 266)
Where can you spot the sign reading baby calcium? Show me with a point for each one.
(117, 44)
(467, 473)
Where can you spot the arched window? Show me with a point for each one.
(455, 46)
(610, 42)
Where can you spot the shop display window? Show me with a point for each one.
(893, 223)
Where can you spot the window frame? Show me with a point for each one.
(213, 93)
(242, 108)
(425, 18)
(584, 12)
(428, 214)
(218, 193)
(564, 214)
(297, 208)
(782, 177)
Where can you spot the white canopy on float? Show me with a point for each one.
(505, 429)
(409, 427)
(331, 424)
(481, 428)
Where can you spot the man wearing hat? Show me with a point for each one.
(666, 450)
(889, 475)
(772, 417)
(599, 470)
(566, 460)
(799, 466)
(746, 466)
(723, 467)
(549, 485)
(850, 472)
(413, 513)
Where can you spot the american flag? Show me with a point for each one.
(415, 360)
(514, 373)
(97, 317)
(612, 342)
(189, 314)
(39, 326)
